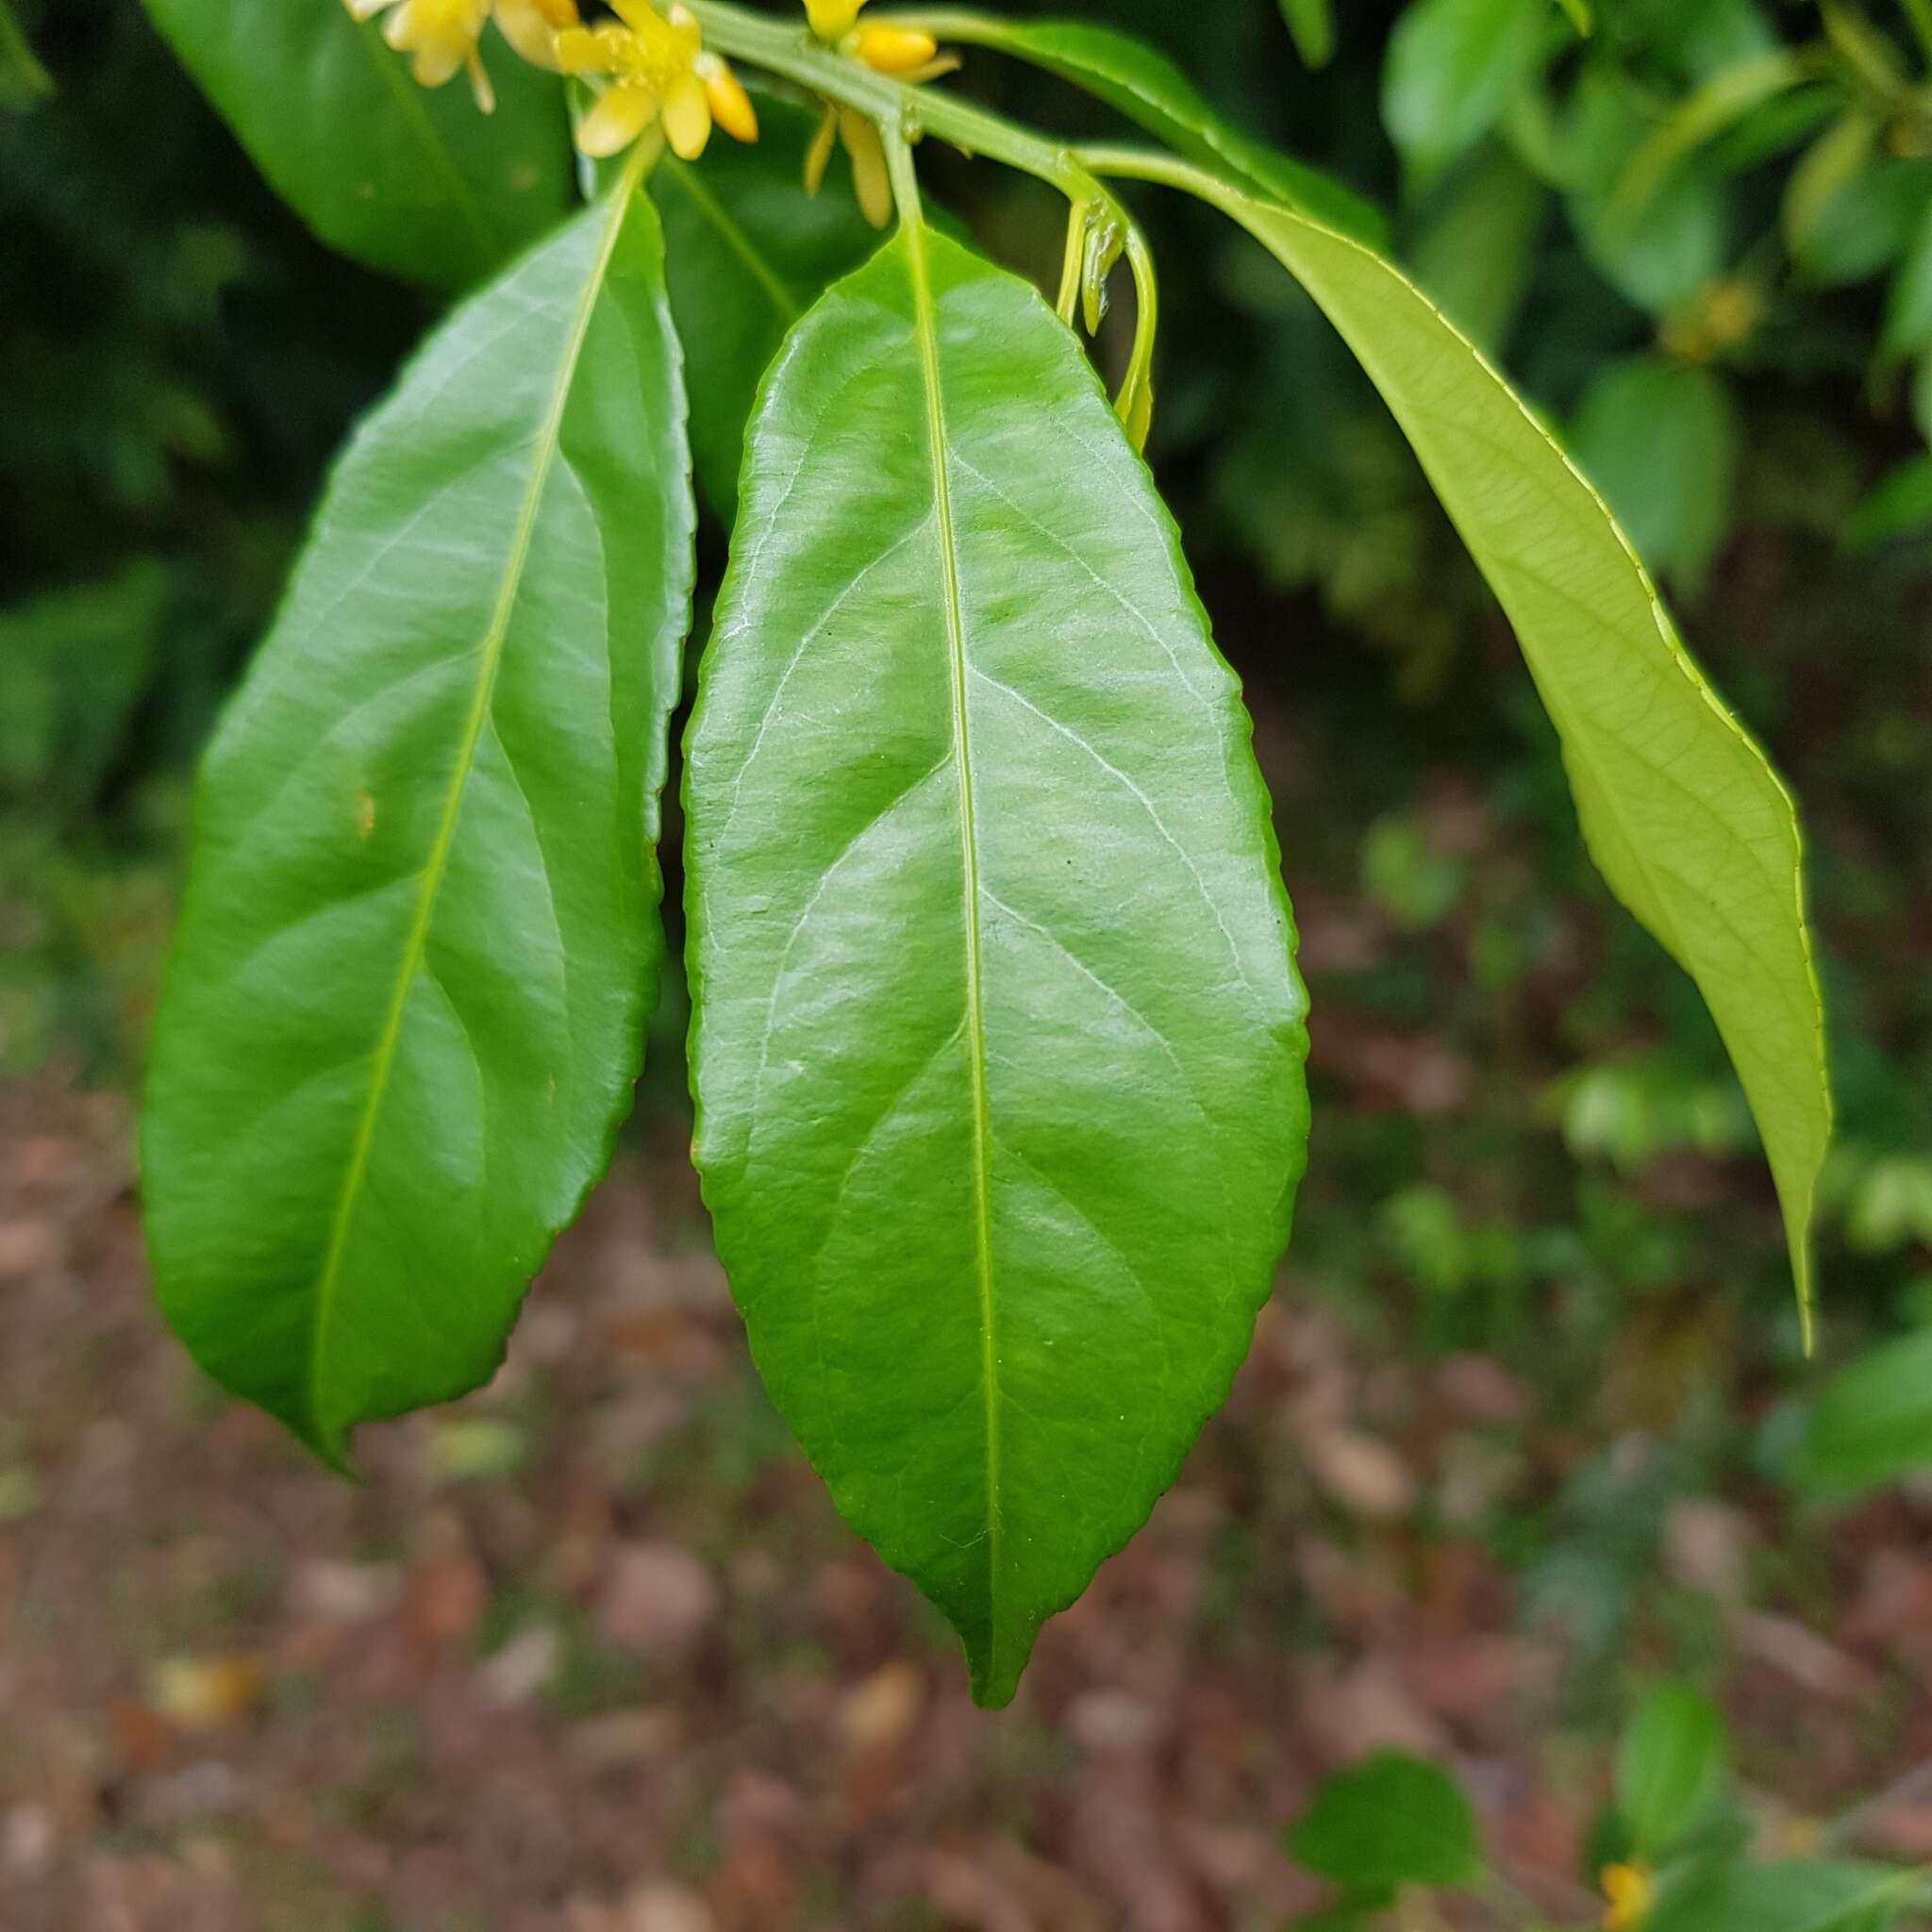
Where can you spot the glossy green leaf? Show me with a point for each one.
(1389, 1822)
(1453, 67)
(1670, 1766)
(411, 180)
(1872, 1424)
(997, 1039)
(1684, 816)
(24, 82)
(1151, 91)
(748, 252)
(1311, 25)
(1661, 441)
(407, 997)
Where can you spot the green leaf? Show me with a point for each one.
(24, 82)
(1453, 67)
(997, 1039)
(748, 253)
(1390, 1821)
(1661, 441)
(408, 998)
(73, 664)
(1670, 1766)
(1477, 251)
(1872, 1425)
(1151, 91)
(1908, 307)
(413, 181)
(1900, 505)
(1311, 25)
(1797, 1895)
(1685, 818)
(1721, 103)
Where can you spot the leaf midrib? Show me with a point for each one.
(925, 330)
(544, 456)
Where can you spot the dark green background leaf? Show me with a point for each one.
(1151, 91)
(1873, 1422)
(1390, 1821)
(997, 1037)
(411, 180)
(408, 998)
(1662, 440)
(748, 252)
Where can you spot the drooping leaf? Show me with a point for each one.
(1389, 1822)
(1311, 25)
(1682, 813)
(998, 1038)
(1150, 90)
(407, 997)
(1661, 441)
(1670, 1765)
(1453, 67)
(24, 82)
(410, 180)
(1872, 1424)
(748, 253)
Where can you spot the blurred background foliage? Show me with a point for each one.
(1698, 235)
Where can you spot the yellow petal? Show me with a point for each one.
(437, 62)
(577, 50)
(831, 19)
(871, 181)
(893, 49)
(479, 83)
(366, 9)
(687, 118)
(820, 151)
(731, 106)
(528, 26)
(622, 113)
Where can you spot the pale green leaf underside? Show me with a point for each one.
(407, 997)
(1682, 813)
(414, 181)
(998, 1040)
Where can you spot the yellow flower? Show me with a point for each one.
(832, 20)
(893, 49)
(890, 49)
(658, 69)
(871, 179)
(441, 36)
(1631, 1894)
(531, 26)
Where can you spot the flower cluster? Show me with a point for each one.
(655, 65)
(657, 70)
(442, 35)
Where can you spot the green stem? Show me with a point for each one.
(796, 55)
(1919, 12)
